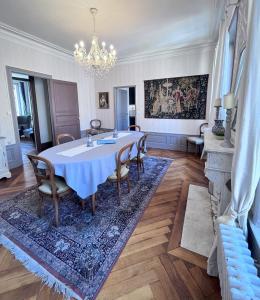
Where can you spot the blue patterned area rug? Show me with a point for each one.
(76, 258)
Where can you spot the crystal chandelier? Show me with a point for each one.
(98, 60)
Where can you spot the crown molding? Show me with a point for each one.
(167, 52)
(16, 35)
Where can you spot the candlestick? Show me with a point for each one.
(227, 143)
(89, 141)
(115, 133)
(217, 104)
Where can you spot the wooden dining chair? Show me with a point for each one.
(123, 159)
(48, 184)
(135, 127)
(198, 141)
(141, 152)
(64, 138)
(95, 126)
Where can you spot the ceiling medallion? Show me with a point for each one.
(98, 60)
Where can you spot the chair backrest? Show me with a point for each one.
(202, 128)
(141, 145)
(123, 158)
(64, 138)
(135, 127)
(41, 174)
(95, 124)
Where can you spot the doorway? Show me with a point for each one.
(51, 109)
(32, 110)
(125, 107)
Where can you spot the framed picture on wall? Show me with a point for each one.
(103, 100)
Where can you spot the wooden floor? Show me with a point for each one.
(152, 265)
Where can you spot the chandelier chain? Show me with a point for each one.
(94, 23)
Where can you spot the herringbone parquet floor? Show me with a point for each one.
(152, 265)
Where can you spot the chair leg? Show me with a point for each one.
(187, 145)
(56, 207)
(128, 184)
(119, 190)
(142, 161)
(93, 200)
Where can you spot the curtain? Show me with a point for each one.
(23, 97)
(217, 72)
(219, 75)
(246, 161)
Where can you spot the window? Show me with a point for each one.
(228, 59)
(22, 97)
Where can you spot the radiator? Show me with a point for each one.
(237, 272)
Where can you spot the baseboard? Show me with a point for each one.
(14, 156)
(169, 141)
(159, 140)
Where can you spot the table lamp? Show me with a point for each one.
(217, 104)
(218, 128)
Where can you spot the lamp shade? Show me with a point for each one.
(229, 101)
(217, 102)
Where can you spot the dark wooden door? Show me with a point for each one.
(65, 109)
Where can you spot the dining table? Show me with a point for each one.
(85, 167)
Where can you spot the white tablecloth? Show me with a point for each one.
(85, 168)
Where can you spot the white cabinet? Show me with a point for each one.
(4, 170)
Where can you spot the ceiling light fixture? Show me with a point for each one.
(98, 60)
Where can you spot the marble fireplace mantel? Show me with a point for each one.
(218, 169)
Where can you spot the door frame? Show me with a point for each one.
(115, 100)
(9, 71)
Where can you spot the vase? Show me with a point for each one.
(218, 129)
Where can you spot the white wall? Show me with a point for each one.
(43, 108)
(18, 52)
(189, 62)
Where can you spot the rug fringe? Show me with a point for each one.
(32, 266)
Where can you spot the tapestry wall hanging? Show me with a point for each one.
(176, 98)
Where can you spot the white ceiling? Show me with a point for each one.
(133, 26)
